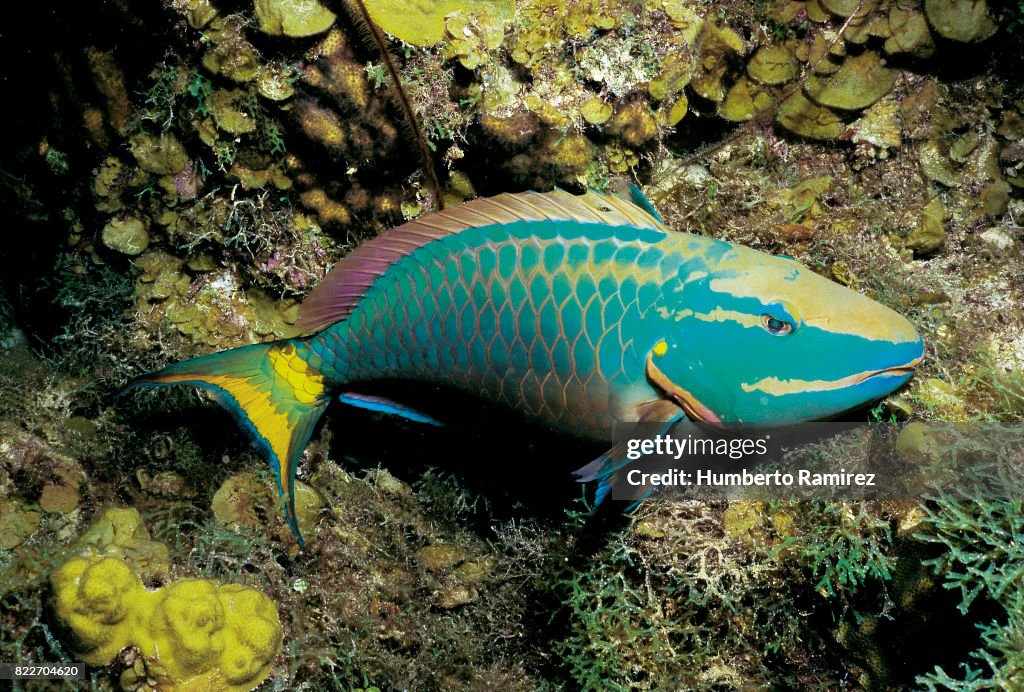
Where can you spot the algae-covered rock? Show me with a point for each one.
(773, 65)
(910, 33)
(191, 634)
(441, 557)
(804, 117)
(17, 523)
(296, 18)
(960, 20)
(929, 236)
(861, 81)
(595, 111)
(228, 114)
(245, 499)
(423, 23)
(274, 83)
(719, 45)
(120, 533)
(129, 236)
(744, 100)
(161, 154)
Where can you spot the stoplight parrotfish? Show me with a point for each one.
(578, 311)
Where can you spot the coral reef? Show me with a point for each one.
(184, 172)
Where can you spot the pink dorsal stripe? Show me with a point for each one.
(336, 296)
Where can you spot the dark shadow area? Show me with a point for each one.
(47, 152)
(923, 629)
(519, 466)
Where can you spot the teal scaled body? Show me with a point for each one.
(579, 311)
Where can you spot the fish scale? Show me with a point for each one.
(554, 349)
(578, 311)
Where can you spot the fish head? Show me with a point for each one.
(757, 338)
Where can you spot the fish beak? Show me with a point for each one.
(907, 368)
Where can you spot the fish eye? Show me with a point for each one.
(775, 326)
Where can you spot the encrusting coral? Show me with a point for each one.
(191, 634)
(188, 634)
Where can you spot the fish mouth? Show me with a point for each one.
(908, 368)
(695, 410)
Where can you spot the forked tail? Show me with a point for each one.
(271, 390)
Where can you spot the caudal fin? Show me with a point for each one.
(274, 394)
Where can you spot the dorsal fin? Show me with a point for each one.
(336, 296)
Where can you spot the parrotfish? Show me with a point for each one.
(579, 311)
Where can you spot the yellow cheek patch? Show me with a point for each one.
(660, 348)
(307, 385)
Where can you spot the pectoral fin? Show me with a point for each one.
(384, 405)
(605, 469)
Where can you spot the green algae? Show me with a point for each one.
(296, 18)
(161, 154)
(423, 24)
(773, 65)
(929, 236)
(859, 82)
(17, 524)
(960, 21)
(804, 117)
(129, 236)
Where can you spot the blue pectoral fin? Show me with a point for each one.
(379, 403)
(607, 469)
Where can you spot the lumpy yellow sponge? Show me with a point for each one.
(192, 634)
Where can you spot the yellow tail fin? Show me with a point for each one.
(271, 390)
